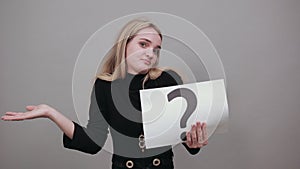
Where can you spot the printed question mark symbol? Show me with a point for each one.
(191, 99)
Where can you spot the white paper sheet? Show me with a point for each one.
(163, 111)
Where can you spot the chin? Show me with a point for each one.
(144, 71)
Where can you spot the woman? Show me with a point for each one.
(130, 66)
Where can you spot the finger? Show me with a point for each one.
(204, 133)
(13, 118)
(188, 139)
(194, 134)
(16, 116)
(11, 113)
(199, 133)
(30, 107)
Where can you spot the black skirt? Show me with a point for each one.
(161, 161)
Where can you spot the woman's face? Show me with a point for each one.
(142, 51)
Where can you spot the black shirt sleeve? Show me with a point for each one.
(91, 139)
(173, 78)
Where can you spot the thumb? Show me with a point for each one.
(30, 107)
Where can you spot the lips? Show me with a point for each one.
(146, 61)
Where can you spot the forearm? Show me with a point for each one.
(65, 124)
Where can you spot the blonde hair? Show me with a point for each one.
(114, 66)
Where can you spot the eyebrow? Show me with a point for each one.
(150, 42)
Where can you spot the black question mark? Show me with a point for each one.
(191, 99)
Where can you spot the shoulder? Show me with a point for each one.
(101, 85)
(170, 77)
(101, 82)
(100, 89)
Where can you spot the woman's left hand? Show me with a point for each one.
(197, 136)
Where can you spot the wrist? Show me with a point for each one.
(51, 114)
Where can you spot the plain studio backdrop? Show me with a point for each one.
(258, 43)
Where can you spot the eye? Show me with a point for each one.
(156, 51)
(143, 44)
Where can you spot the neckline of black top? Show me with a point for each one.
(134, 75)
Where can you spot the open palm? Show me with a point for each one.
(40, 111)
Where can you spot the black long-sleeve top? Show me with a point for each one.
(116, 106)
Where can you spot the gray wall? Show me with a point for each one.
(258, 42)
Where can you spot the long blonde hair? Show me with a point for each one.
(114, 66)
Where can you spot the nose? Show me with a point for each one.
(150, 53)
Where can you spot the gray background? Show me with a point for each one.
(258, 42)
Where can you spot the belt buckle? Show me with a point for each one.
(156, 162)
(129, 164)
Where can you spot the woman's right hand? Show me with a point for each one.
(39, 111)
(43, 111)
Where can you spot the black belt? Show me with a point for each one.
(164, 159)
